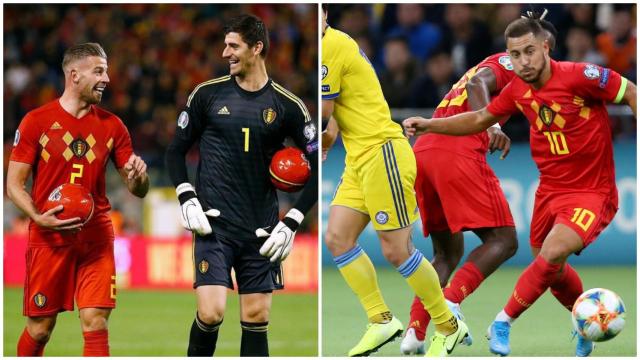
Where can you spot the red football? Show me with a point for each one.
(289, 169)
(75, 198)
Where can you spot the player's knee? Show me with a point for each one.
(41, 331)
(255, 315)
(393, 256)
(336, 243)
(94, 323)
(211, 316)
(555, 254)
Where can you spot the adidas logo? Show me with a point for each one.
(224, 111)
(55, 126)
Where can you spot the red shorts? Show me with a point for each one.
(586, 213)
(456, 193)
(84, 269)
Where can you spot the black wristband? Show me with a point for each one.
(290, 223)
(187, 195)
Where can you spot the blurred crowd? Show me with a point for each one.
(157, 54)
(420, 50)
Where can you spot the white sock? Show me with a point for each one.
(502, 316)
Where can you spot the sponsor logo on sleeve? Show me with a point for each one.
(16, 139)
(326, 88)
(604, 79)
(309, 131)
(591, 72)
(505, 61)
(183, 120)
(325, 71)
(311, 147)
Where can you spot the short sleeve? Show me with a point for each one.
(502, 70)
(332, 68)
(122, 148)
(595, 82)
(26, 141)
(503, 104)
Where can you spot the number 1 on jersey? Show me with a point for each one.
(246, 139)
(76, 174)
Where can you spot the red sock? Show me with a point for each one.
(419, 318)
(568, 287)
(465, 281)
(28, 346)
(533, 282)
(96, 343)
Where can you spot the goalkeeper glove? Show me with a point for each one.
(193, 217)
(280, 241)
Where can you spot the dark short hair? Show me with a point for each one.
(252, 30)
(548, 26)
(523, 26)
(81, 51)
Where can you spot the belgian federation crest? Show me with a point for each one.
(40, 300)
(546, 115)
(79, 147)
(203, 267)
(269, 115)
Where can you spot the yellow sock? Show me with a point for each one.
(358, 271)
(423, 279)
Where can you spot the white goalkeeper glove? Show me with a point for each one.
(193, 217)
(280, 242)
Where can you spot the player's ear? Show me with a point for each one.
(257, 48)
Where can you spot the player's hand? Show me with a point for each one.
(194, 218)
(48, 220)
(498, 140)
(280, 241)
(135, 167)
(415, 125)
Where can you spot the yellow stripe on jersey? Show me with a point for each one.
(621, 91)
(208, 82)
(295, 99)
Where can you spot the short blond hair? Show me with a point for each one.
(81, 51)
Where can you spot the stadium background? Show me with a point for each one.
(419, 51)
(157, 54)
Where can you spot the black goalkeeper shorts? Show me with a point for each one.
(215, 255)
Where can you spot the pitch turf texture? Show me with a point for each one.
(157, 323)
(543, 330)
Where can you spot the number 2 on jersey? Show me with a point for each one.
(77, 173)
(246, 139)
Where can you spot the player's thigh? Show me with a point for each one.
(429, 203)
(255, 307)
(343, 228)
(213, 257)
(561, 242)
(211, 302)
(96, 274)
(388, 178)
(348, 192)
(254, 272)
(448, 246)
(469, 191)
(50, 280)
(587, 214)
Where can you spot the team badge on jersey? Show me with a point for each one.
(203, 267)
(591, 72)
(79, 147)
(547, 115)
(505, 61)
(309, 131)
(183, 120)
(16, 139)
(325, 71)
(40, 300)
(269, 115)
(382, 217)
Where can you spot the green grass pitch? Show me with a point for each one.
(543, 330)
(157, 323)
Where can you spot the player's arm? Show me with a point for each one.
(629, 97)
(194, 218)
(134, 174)
(467, 123)
(330, 128)
(17, 175)
(479, 89)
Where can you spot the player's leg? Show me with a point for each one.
(213, 258)
(48, 290)
(447, 249)
(35, 335)
(254, 321)
(95, 288)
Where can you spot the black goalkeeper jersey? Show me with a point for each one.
(239, 132)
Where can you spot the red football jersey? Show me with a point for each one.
(456, 102)
(569, 134)
(65, 149)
